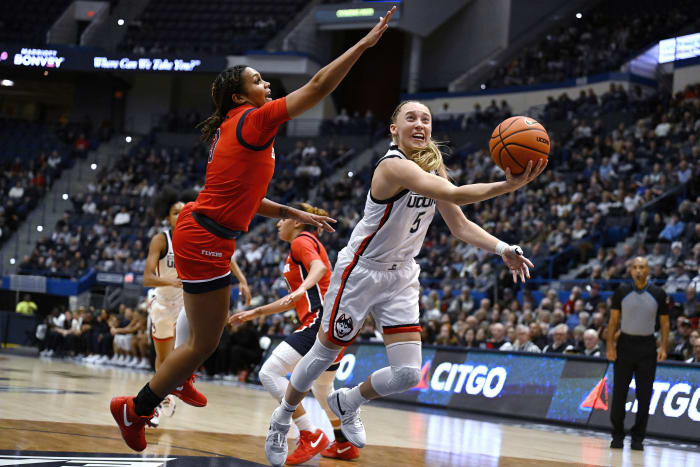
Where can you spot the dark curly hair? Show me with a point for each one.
(229, 82)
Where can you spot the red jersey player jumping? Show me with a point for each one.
(241, 163)
(308, 273)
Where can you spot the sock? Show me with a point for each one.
(354, 398)
(146, 401)
(339, 436)
(283, 413)
(304, 423)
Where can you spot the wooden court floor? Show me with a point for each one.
(58, 410)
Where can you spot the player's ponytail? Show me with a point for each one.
(429, 158)
(306, 207)
(228, 82)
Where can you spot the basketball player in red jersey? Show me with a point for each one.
(308, 273)
(167, 307)
(241, 164)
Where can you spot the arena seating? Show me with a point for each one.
(608, 36)
(32, 156)
(625, 156)
(214, 27)
(27, 22)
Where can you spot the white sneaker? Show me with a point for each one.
(155, 419)
(167, 407)
(49, 353)
(114, 360)
(276, 442)
(104, 359)
(350, 423)
(133, 362)
(144, 364)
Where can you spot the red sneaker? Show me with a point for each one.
(345, 451)
(189, 395)
(308, 445)
(131, 425)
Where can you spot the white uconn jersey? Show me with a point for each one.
(393, 230)
(166, 270)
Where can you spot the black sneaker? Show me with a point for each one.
(637, 445)
(617, 443)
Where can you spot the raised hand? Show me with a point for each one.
(527, 176)
(375, 34)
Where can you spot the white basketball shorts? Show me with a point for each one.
(164, 319)
(359, 286)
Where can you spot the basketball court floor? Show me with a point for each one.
(55, 413)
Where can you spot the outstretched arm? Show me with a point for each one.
(318, 269)
(404, 173)
(275, 210)
(471, 233)
(328, 77)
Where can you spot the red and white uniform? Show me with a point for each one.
(240, 168)
(167, 301)
(305, 249)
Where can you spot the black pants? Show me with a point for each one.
(636, 355)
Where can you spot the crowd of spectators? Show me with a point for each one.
(32, 156)
(603, 40)
(214, 28)
(603, 183)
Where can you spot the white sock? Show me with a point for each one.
(354, 398)
(283, 413)
(304, 423)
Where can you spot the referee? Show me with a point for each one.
(635, 308)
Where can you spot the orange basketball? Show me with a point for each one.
(516, 141)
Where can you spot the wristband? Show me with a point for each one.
(501, 247)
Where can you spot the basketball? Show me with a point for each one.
(516, 141)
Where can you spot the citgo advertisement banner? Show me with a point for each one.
(567, 389)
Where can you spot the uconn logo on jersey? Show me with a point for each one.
(418, 201)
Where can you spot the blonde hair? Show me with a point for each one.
(429, 158)
(306, 207)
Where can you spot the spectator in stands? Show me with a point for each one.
(447, 335)
(673, 229)
(573, 297)
(679, 344)
(677, 280)
(16, 191)
(26, 306)
(591, 344)
(522, 341)
(594, 298)
(123, 217)
(695, 358)
(560, 343)
(498, 337)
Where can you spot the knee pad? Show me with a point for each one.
(312, 365)
(272, 376)
(404, 372)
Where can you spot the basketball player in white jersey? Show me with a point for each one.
(376, 273)
(167, 307)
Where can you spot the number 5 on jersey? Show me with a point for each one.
(416, 223)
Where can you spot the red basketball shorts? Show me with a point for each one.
(202, 260)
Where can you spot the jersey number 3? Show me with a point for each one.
(212, 148)
(416, 223)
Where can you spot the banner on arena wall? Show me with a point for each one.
(55, 57)
(556, 388)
